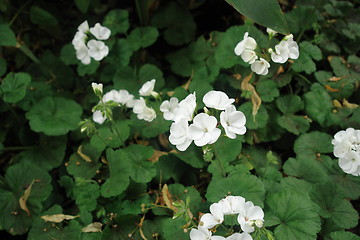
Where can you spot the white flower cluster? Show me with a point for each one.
(347, 149)
(93, 48)
(123, 97)
(286, 49)
(248, 216)
(203, 129)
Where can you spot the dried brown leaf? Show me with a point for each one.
(93, 227)
(57, 218)
(255, 98)
(82, 155)
(167, 198)
(24, 198)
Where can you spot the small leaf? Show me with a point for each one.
(117, 21)
(263, 12)
(92, 227)
(14, 86)
(7, 36)
(142, 37)
(42, 17)
(267, 90)
(294, 124)
(289, 104)
(82, 5)
(24, 198)
(57, 218)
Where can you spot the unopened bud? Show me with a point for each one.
(98, 89)
(259, 223)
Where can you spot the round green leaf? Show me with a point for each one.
(142, 37)
(289, 104)
(117, 21)
(254, 122)
(42, 17)
(309, 144)
(294, 124)
(342, 235)
(54, 116)
(294, 214)
(267, 89)
(14, 86)
(241, 184)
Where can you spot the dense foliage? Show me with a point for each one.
(64, 176)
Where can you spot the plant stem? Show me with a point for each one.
(17, 148)
(217, 158)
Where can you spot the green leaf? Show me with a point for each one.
(350, 185)
(148, 72)
(294, 124)
(141, 170)
(54, 116)
(112, 135)
(89, 69)
(263, 12)
(254, 122)
(58, 231)
(79, 168)
(334, 206)
(14, 86)
(306, 168)
(289, 104)
(18, 178)
(267, 89)
(305, 62)
(117, 21)
(179, 23)
(48, 154)
(172, 229)
(82, 5)
(121, 53)
(86, 193)
(342, 235)
(67, 54)
(237, 184)
(179, 192)
(119, 173)
(297, 185)
(318, 106)
(7, 36)
(42, 17)
(294, 214)
(301, 18)
(142, 37)
(192, 156)
(310, 144)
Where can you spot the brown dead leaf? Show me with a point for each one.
(92, 227)
(255, 98)
(335, 79)
(167, 198)
(82, 155)
(336, 103)
(57, 218)
(331, 89)
(163, 140)
(24, 198)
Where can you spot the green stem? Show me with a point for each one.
(138, 10)
(217, 158)
(17, 148)
(18, 12)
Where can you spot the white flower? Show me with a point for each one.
(139, 105)
(203, 130)
(179, 134)
(97, 49)
(83, 55)
(239, 236)
(293, 47)
(125, 98)
(249, 215)
(147, 88)
(260, 67)
(249, 56)
(214, 218)
(217, 99)
(169, 108)
(99, 117)
(281, 53)
(79, 40)
(112, 95)
(186, 108)
(233, 122)
(148, 114)
(97, 88)
(232, 204)
(83, 27)
(203, 233)
(271, 32)
(347, 149)
(100, 32)
(247, 43)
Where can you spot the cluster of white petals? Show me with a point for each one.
(287, 48)
(142, 111)
(347, 149)
(94, 48)
(246, 49)
(203, 128)
(122, 97)
(248, 217)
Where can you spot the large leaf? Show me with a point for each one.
(294, 214)
(7, 36)
(14, 86)
(263, 12)
(54, 116)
